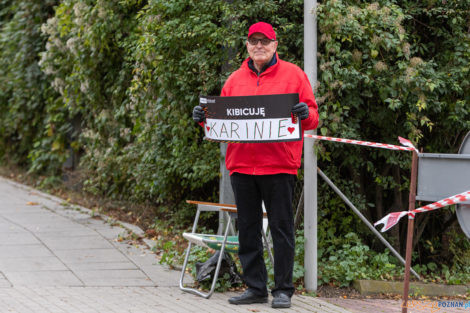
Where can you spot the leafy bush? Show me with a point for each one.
(27, 130)
(86, 58)
(383, 74)
(354, 260)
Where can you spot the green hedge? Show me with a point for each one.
(26, 95)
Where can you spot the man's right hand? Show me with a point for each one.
(199, 115)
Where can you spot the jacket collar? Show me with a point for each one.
(251, 66)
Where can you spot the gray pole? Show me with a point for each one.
(226, 195)
(225, 187)
(310, 160)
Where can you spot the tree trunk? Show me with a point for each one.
(397, 205)
(420, 224)
(379, 203)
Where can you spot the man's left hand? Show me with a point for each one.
(301, 110)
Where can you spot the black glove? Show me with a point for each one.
(198, 114)
(301, 110)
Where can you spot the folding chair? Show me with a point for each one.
(217, 242)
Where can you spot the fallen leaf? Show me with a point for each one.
(31, 203)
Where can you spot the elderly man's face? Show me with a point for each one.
(259, 53)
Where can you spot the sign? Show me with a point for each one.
(463, 210)
(251, 118)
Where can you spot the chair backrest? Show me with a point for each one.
(265, 216)
(227, 208)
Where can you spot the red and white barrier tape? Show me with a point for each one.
(407, 143)
(392, 219)
(403, 141)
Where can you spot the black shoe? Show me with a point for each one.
(248, 297)
(281, 300)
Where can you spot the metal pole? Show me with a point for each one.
(225, 187)
(310, 160)
(409, 237)
(362, 217)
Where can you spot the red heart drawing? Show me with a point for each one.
(208, 128)
(290, 129)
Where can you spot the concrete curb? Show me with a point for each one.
(369, 287)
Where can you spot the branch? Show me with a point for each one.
(421, 226)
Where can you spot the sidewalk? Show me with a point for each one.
(59, 258)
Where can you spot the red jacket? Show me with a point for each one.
(276, 157)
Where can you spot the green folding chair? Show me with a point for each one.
(217, 242)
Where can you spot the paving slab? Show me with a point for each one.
(69, 233)
(77, 267)
(163, 275)
(81, 242)
(7, 226)
(90, 255)
(35, 250)
(32, 264)
(134, 277)
(112, 233)
(18, 238)
(43, 278)
(4, 281)
(140, 255)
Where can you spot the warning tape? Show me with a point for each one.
(461, 197)
(403, 141)
(392, 219)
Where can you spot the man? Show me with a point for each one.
(266, 171)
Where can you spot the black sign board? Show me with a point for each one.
(264, 118)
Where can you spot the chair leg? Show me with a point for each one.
(185, 263)
(268, 247)
(183, 271)
(219, 261)
(217, 269)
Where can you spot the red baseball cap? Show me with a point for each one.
(264, 28)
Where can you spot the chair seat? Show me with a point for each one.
(223, 243)
(213, 241)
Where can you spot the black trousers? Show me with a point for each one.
(277, 192)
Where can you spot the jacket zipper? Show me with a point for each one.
(256, 93)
